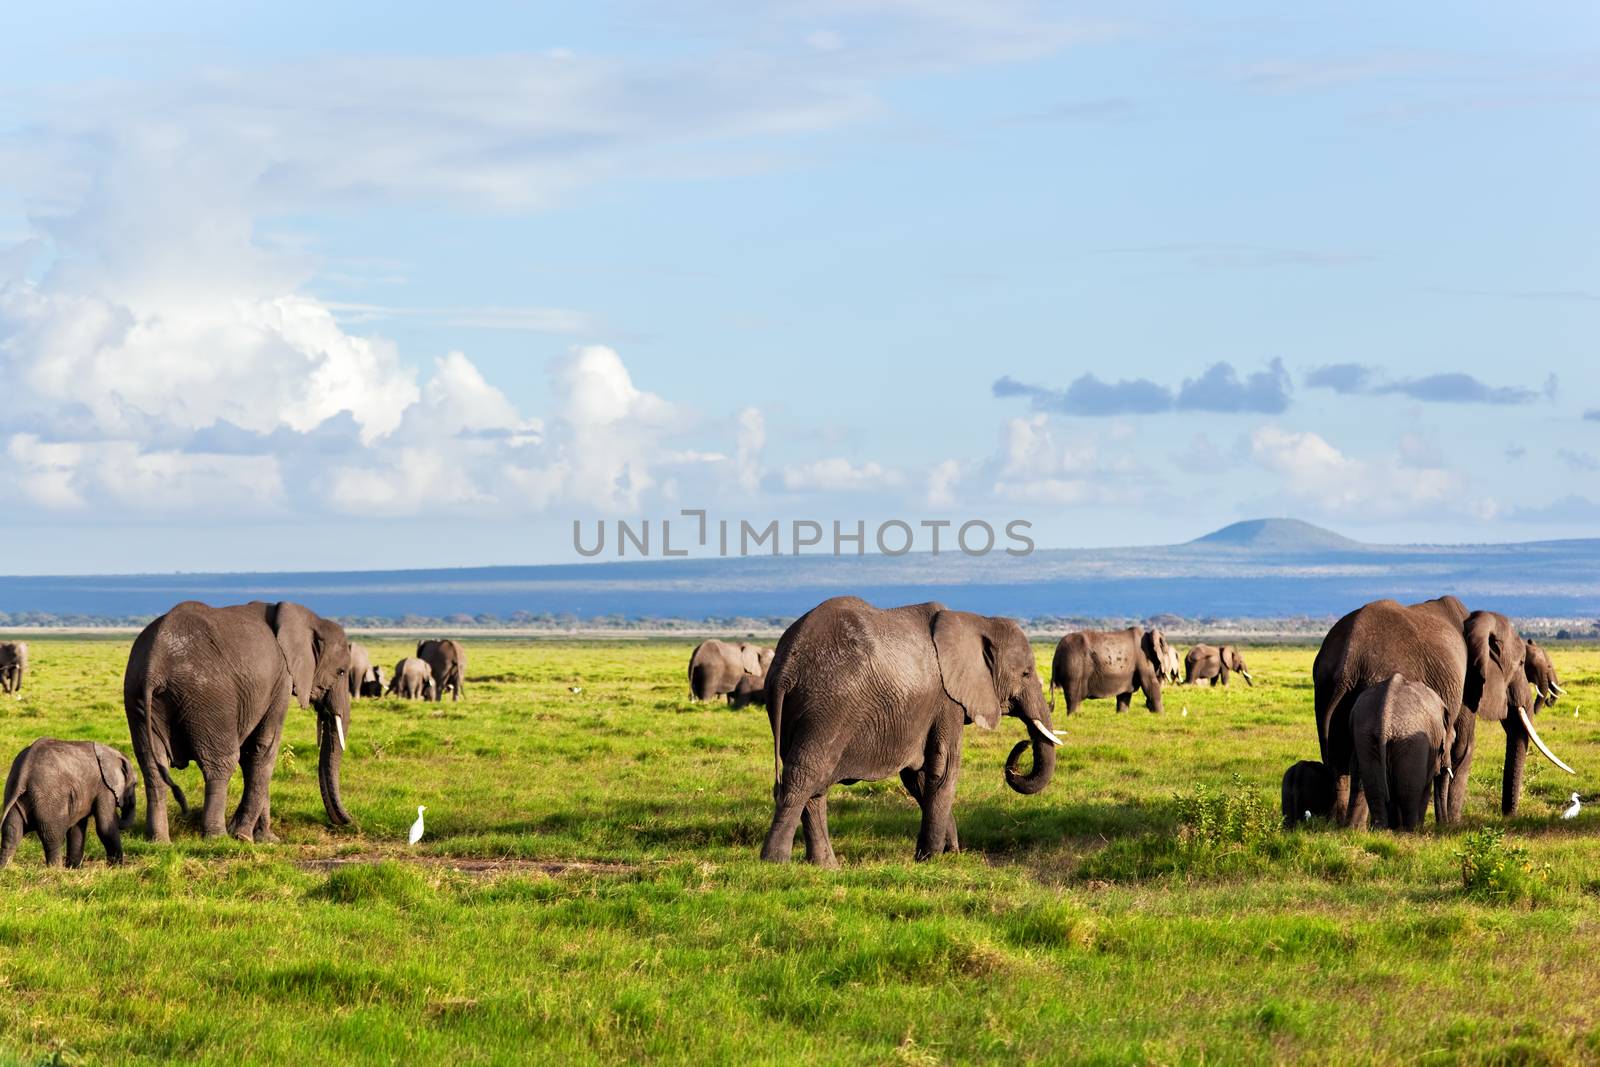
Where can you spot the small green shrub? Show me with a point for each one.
(1240, 816)
(1496, 871)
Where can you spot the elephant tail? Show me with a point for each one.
(149, 696)
(1383, 760)
(777, 740)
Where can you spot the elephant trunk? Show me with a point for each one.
(331, 722)
(1043, 741)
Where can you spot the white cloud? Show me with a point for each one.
(838, 475)
(752, 438)
(1327, 480)
(1035, 465)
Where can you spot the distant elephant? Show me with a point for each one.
(413, 680)
(13, 665)
(1091, 664)
(362, 673)
(212, 685)
(1210, 664)
(1170, 665)
(752, 689)
(1400, 731)
(1307, 791)
(373, 685)
(1426, 643)
(56, 787)
(856, 693)
(448, 661)
(715, 667)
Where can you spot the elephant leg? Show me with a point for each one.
(1516, 763)
(1152, 697)
(155, 797)
(10, 834)
(50, 840)
(75, 836)
(789, 807)
(213, 820)
(819, 846)
(257, 758)
(1124, 701)
(913, 782)
(107, 828)
(939, 793)
(1461, 760)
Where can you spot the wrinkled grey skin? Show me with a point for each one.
(212, 685)
(13, 665)
(1401, 738)
(1170, 665)
(856, 693)
(1307, 787)
(752, 689)
(1210, 664)
(1541, 675)
(413, 680)
(448, 661)
(56, 787)
(366, 677)
(1504, 673)
(716, 667)
(1091, 664)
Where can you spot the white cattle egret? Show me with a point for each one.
(574, 689)
(1572, 812)
(1576, 710)
(1307, 816)
(1186, 712)
(416, 827)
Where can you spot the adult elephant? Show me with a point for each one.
(1426, 643)
(212, 685)
(362, 673)
(1508, 680)
(448, 661)
(715, 667)
(1210, 664)
(856, 693)
(413, 680)
(13, 665)
(1170, 665)
(1091, 664)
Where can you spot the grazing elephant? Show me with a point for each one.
(1400, 731)
(1090, 664)
(413, 680)
(448, 661)
(13, 665)
(1426, 643)
(373, 684)
(56, 787)
(363, 674)
(1508, 680)
(752, 689)
(1210, 664)
(856, 693)
(1169, 663)
(715, 667)
(212, 685)
(1307, 791)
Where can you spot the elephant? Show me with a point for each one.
(413, 680)
(1400, 732)
(1090, 664)
(56, 787)
(366, 677)
(1426, 643)
(213, 685)
(1208, 663)
(1307, 791)
(13, 665)
(1508, 680)
(752, 689)
(1170, 665)
(715, 667)
(857, 693)
(448, 662)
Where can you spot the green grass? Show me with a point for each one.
(1144, 908)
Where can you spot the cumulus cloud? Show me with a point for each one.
(838, 475)
(1448, 388)
(1037, 463)
(1328, 481)
(1218, 389)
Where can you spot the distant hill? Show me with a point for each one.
(1278, 535)
(1262, 569)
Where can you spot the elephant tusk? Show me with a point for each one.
(338, 726)
(1533, 735)
(1554, 688)
(1048, 736)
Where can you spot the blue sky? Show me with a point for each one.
(297, 287)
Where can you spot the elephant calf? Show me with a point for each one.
(13, 665)
(1402, 737)
(56, 787)
(1307, 791)
(413, 680)
(1210, 664)
(751, 689)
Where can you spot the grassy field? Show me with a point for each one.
(588, 892)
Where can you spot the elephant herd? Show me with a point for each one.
(853, 693)
(210, 686)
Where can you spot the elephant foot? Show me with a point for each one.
(265, 836)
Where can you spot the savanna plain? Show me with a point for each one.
(588, 891)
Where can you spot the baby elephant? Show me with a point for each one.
(413, 679)
(1307, 791)
(55, 787)
(1402, 740)
(750, 689)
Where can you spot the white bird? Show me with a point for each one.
(1572, 812)
(416, 827)
(1306, 817)
(1576, 710)
(574, 688)
(1186, 712)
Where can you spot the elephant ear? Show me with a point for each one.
(300, 643)
(111, 769)
(967, 658)
(749, 658)
(764, 656)
(1485, 691)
